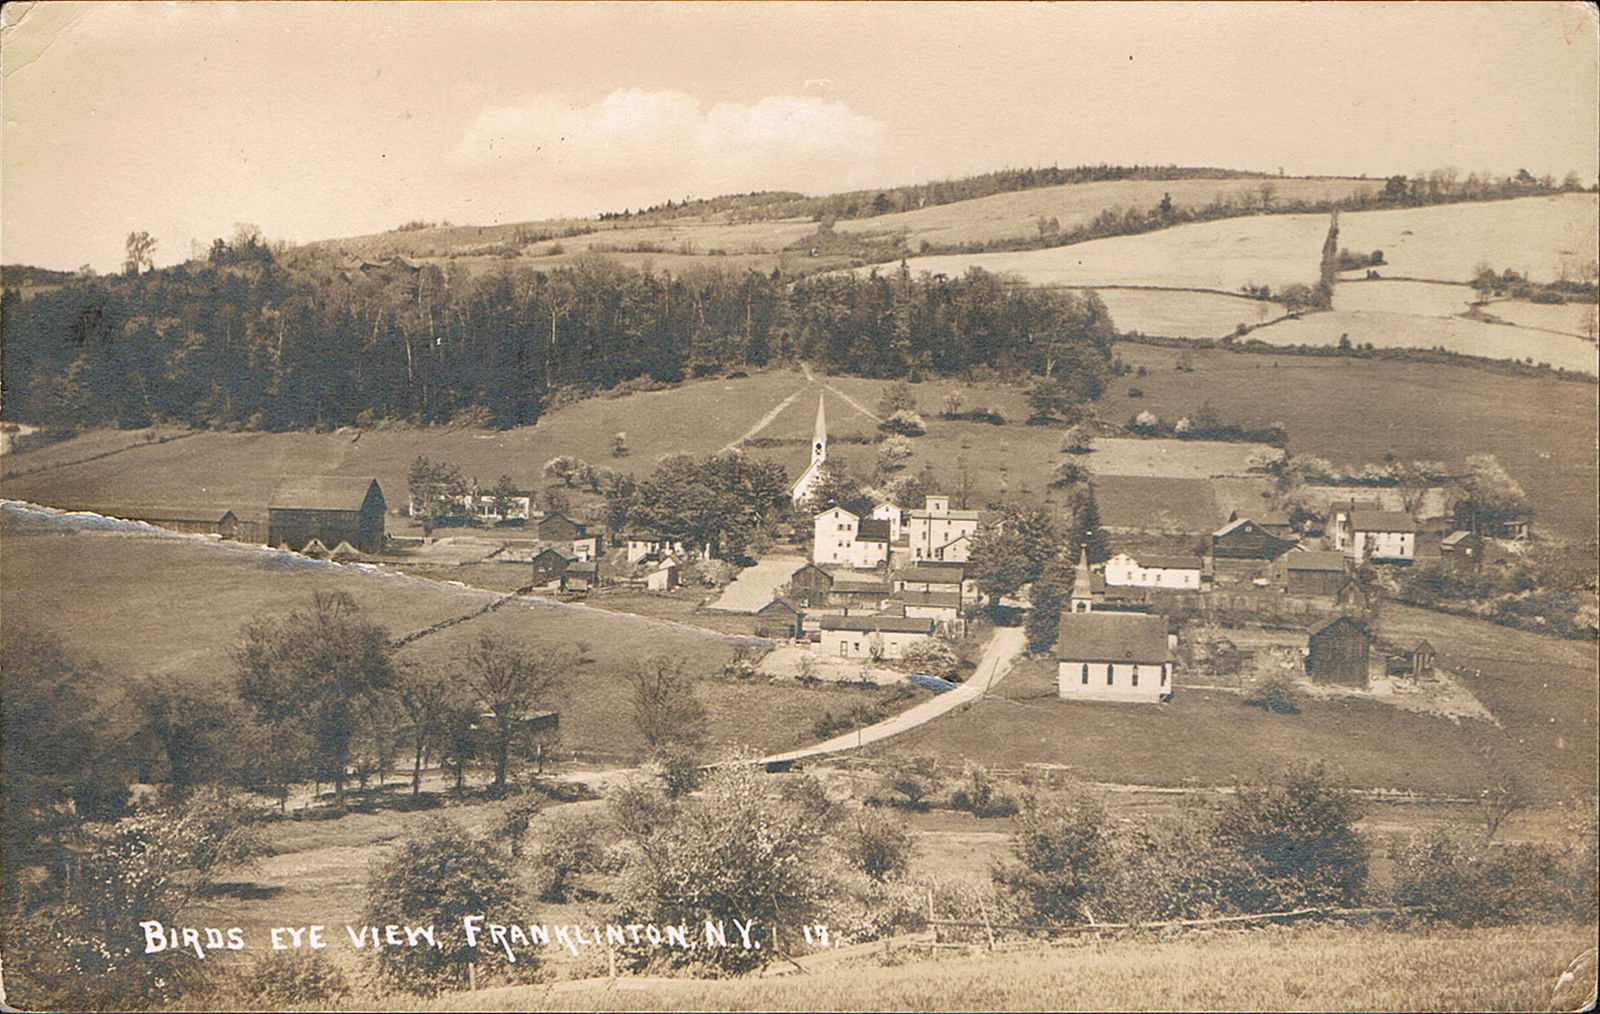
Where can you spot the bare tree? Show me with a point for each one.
(513, 681)
(664, 704)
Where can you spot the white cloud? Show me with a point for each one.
(669, 141)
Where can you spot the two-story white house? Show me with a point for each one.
(1149, 570)
(1365, 534)
(841, 539)
(938, 533)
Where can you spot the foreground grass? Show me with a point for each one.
(1325, 968)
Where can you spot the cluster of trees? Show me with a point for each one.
(1206, 424)
(720, 501)
(298, 339)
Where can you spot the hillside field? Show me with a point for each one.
(154, 604)
(1353, 411)
(1302, 968)
(1538, 236)
(1176, 313)
(1454, 334)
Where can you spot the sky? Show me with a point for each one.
(322, 120)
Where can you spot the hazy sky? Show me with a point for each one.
(322, 120)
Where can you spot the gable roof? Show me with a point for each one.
(1233, 526)
(933, 575)
(841, 510)
(873, 530)
(1112, 637)
(1327, 625)
(886, 624)
(1382, 521)
(324, 493)
(1456, 538)
(950, 600)
(776, 606)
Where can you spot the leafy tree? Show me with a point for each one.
(1051, 398)
(424, 699)
(1061, 850)
(1296, 837)
(731, 852)
(140, 246)
(892, 453)
(564, 467)
(904, 422)
(324, 670)
(897, 397)
(504, 494)
(188, 719)
(835, 487)
(1013, 551)
(437, 875)
(434, 487)
(513, 681)
(1489, 498)
(1047, 597)
(719, 501)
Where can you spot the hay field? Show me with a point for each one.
(1537, 236)
(1455, 334)
(1354, 411)
(1169, 313)
(1015, 215)
(1429, 299)
(1568, 318)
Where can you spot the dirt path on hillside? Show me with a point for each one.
(845, 397)
(764, 421)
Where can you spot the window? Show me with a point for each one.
(1108, 674)
(1135, 675)
(1163, 674)
(1085, 674)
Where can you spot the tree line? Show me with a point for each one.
(300, 340)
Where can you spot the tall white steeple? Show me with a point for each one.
(819, 455)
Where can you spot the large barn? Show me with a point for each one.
(329, 508)
(1338, 651)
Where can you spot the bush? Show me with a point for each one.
(1476, 882)
(1296, 838)
(904, 422)
(1273, 692)
(279, 981)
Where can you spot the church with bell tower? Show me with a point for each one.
(819, 455)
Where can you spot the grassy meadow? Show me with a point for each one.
(1311, 968)
(161, 605)
(1176, 313)
(1454, 334)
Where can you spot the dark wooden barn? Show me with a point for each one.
(778, 619)
(559, 528)
(810, 585)
(330, 509)
(1310, 572)
(1243, 539)
(1339, 650)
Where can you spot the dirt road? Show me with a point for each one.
(1002, 649)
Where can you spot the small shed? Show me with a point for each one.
(580, 578)
(664, 577)
(1462, 545)
(1338, 651)
(548, 566)
(779, 619)
(1421, 658)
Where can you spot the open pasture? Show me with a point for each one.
(1175, 313)
(162, 605)
(1568, 318)
(1539, 237)
(1015, 215)
(1454, 334)
(1354, 411)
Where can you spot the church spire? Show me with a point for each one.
(819, 439)
(1082, 598)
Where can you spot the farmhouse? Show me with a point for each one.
(871, 637)
(1374, 534)
(1152, 571)
(938, 533)
(548, 566)
(330, 509)
(1244, 539)
(1310, 572)
(1091, 594)
(843, 539)
(1337, 651)
(647, 544)
(819, 456)
(1113, 656)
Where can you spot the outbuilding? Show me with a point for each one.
(329, 509)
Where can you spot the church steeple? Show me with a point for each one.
(1082, 598)
(819, 439)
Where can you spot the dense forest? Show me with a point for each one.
(301, 340)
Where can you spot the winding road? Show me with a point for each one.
(998, 655)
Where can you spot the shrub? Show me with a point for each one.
(904, 422)
(1476, 882)
(278, 981)
(1273, 692)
